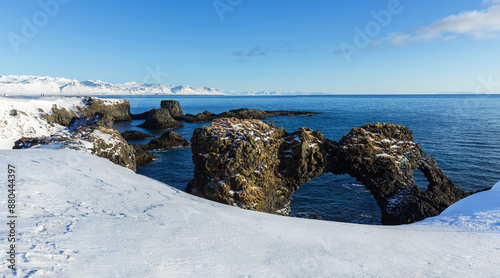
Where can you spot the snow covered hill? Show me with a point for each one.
(22, 117)
(25, 85)
(83, 216)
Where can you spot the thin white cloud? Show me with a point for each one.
(483, 24)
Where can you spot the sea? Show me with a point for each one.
(462, 132)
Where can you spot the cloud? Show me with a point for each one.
(484, 24)
(486, 2)
(256, 51)
(260, 51)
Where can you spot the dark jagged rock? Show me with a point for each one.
(174, 107)
(289, 113)
(142, 157)
(243, 113)
(160, 119)
(232, 166)
(141, 116)
(206, 116)
(167, 141)
(383, 157)
(175, 110)
(254, 165)
(135, 135)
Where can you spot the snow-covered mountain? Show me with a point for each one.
(26, 85)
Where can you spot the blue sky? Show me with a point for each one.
(342, 47)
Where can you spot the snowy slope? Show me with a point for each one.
(83, 216)
(14, 85)
(21, 117)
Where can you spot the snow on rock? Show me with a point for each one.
(23, 117)
(26, 85)
(83, 216)
(24, 124)
(479, 212)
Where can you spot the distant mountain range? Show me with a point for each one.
(43, 85)
(28, 85)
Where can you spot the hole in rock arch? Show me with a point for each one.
(336, 198)
(420, 179)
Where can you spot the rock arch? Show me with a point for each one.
(257, 166)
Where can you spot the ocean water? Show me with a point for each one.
(462, 132)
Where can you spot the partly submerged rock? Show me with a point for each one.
(243, 113)
(289, 113)
(174, 107)
(167, 141)
(383, 157)
(142, 157)
(254, 165)
(160, 119)
(205, 116)
(175, 110)
(135, 135)
(141, 116)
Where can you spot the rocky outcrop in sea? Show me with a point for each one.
(135, 135)
(171, 113)
(160, 119)
(168, 140)
(257, 166)
(243, 113)
(174, 108)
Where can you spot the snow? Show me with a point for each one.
(25, 85)
(383, 155)
(83, 216)
(28, 121)
(479, 212)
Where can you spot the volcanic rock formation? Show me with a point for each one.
(243, 113)
(256, 166)
(160, 119)
(135, 135)
(167, 141)
(174, 107)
